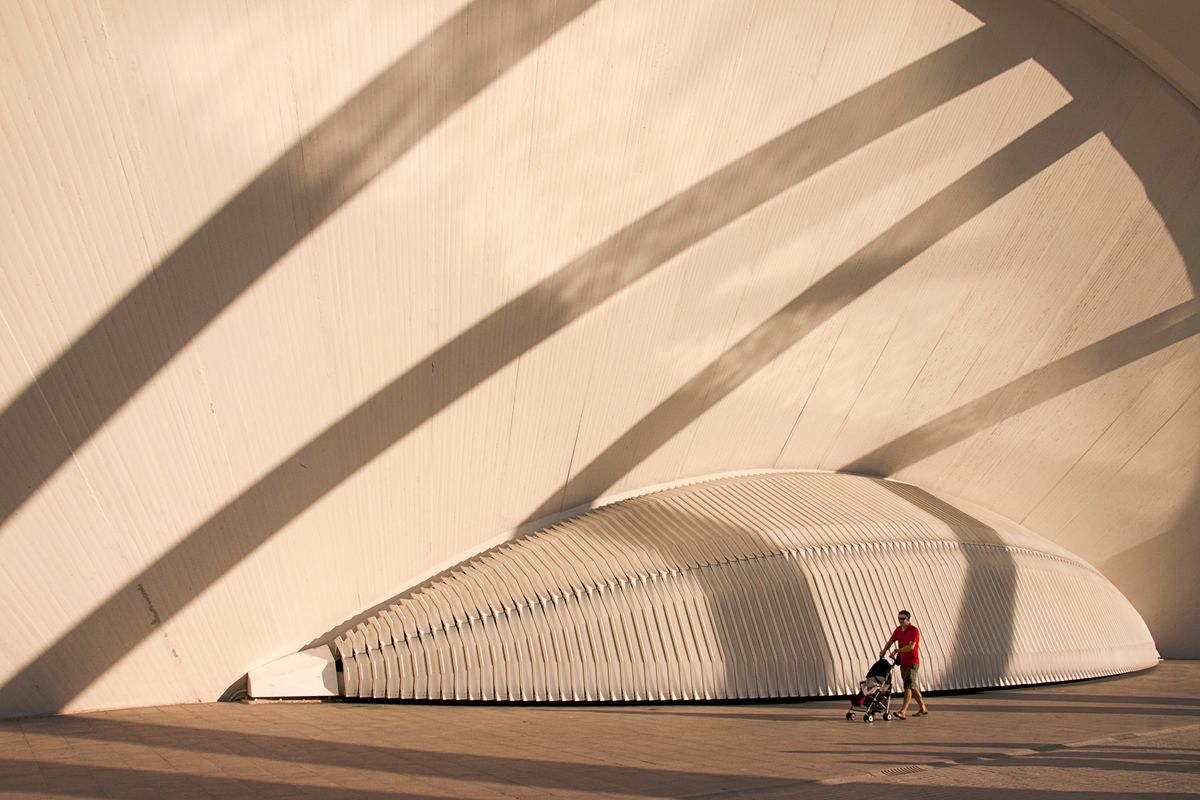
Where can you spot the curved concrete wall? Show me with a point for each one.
(301, 304)
(1162, 34)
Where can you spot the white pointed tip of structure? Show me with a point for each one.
(309, 673)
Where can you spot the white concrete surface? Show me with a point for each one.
(299, 301)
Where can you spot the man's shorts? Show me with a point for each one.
(908, 673)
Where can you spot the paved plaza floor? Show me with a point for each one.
(1135, 735)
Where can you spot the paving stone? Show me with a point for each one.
(1096, 739)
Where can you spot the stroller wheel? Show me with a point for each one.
(869, 718)
(887, 715)
(849, 715)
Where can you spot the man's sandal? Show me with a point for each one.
(922, 714)
(899, 715)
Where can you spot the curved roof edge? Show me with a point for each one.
(1161, 35)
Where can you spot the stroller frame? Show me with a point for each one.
(878, 704)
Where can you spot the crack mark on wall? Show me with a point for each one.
(146, 596)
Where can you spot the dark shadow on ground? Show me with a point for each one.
(85, 780)
(72, 780)
(857, 791)
(511, 770)
(1108, 711)
(1135, 759)
(1017, 694)
(1125, 760)
(1118, 759)
(986, 746)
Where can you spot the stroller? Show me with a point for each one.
(874, 692)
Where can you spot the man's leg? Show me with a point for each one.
(916, 690)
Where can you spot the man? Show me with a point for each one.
(908, 637)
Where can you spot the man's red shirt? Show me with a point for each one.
(903, 637)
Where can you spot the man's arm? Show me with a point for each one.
(911, 645)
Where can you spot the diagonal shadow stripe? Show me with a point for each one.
(602, 780)
(76, 659)
(1141, 153)
(109, 363)
(101, 782)
(1034, 388)
(982, 186)
(387, 759)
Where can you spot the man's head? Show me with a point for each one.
(903, 618)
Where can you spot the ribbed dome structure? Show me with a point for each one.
(769, 585)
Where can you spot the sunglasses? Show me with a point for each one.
(902, 619)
